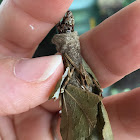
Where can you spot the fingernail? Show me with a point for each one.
(37, 69)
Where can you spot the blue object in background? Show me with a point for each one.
(81, 4)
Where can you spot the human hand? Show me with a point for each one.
(112, 50)
(115, 43)
(25, 84)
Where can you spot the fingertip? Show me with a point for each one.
(45, 9)
(112, 48)
(25, 23)
(20, 95)
(42, 68)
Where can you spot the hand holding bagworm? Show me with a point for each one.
(111, 49)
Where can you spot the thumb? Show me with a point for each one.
(27, 83)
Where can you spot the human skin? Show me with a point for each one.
(111, 49)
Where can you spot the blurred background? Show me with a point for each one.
(88, 14)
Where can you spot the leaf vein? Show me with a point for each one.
(90, 122)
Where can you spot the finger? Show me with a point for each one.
(52, 105)
(26, 83)
(112, 49)
(58, 134)
(34, 125)
(123, 111)
(7, 124)
(25, 23)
